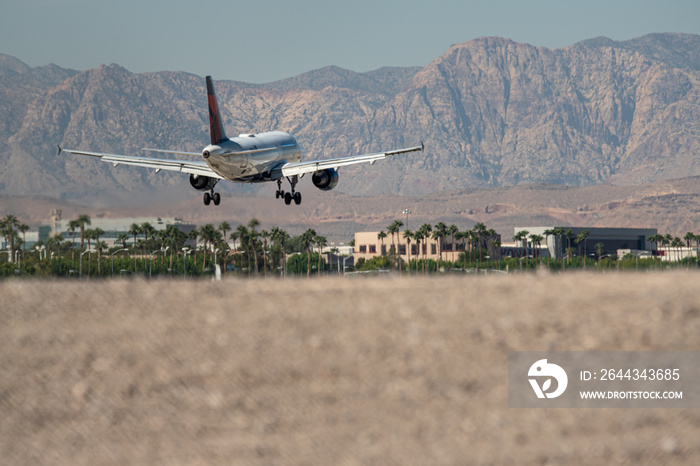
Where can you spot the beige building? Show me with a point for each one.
(368, 245)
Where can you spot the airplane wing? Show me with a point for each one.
(194, 167)
(300, 168)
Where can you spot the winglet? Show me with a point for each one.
(422, 146)
(217, 132)
(59, 150)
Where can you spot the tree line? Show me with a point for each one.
(246, 250)
(477, 243)
(148, 251)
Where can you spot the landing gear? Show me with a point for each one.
(216, 197)
(279, 192)
(289, 196)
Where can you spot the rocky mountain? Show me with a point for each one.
(492, 112)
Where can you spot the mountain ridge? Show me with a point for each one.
(491, 111)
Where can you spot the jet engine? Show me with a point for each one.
(325, 180)
(203, 183)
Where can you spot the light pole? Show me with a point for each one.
(150, 269)
(406, 212)
(80, 274)
(184, 262)
(118, 250)
(216, 264)
(344, 259)
(41, 249)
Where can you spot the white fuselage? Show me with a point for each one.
(252, 158)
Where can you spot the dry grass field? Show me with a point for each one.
(331, 371)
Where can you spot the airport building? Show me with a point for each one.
(368, 245)
(113, 227)
(634, 240)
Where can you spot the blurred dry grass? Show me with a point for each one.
(331, 371)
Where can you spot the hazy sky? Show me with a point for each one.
(265, 40)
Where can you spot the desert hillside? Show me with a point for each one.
(492, 112)
(335, 371)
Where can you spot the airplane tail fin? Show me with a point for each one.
(216, 126)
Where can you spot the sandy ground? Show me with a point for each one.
(332, 371)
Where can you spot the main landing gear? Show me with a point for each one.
(216, 197)
(287, 196)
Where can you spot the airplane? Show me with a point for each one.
(248, 158)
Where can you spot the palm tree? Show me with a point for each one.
(264, 235)
(599, 249)
(162, 242)
(122, 238)
(418, 236)
(583, 238)
(321, 242)
(678, 244)
(537, 242)
(547, 233)
(135, 230)
(559, 232)
(479, 230)
(280, 237)
(408, 235)
(147, 230)
(441, 230)
(89, 235)
(72, 226)
(253, 238)
(521, 237)
(453, 230)
(569, 234)
(425, 230)
(207, 233)
(100, 246)
(233, 237)
(23, 228)
(666, 241)
(463, 235)
(223, 228)
(97, 232)
(495, 244)
(380, 236)
(393, 229)
(171, 235)
(194, 235)
(9, 224)
(436, 236)
(82, 220)
(689, 236)
(656, 240)
(307, 239)
(242, 235)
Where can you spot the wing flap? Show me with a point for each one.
(199, 168)
(300, 168)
